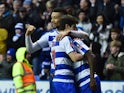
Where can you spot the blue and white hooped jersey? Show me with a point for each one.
(81, 68)
(63, 64)
(46, 40)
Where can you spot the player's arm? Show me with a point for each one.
(33, 47)
(89, 57)
(30, 46)
(78, 34)
(69, 48)
(74, 34)
(75, 57)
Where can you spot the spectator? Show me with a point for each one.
(104, 7)
(84, 22)
(22, 17)
(47, 13)
(6, 18)
(10, 55)
(115, 34)
(90, 8)
(3, 40)
(114, 67)
(24, 82)
(16, 5)
(99, 33)
(121, 16)
(45, 69)
(6, 21)
(6, 64)
(18, 40)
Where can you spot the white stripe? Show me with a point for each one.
(52, 66)
(63, 80)
(83, 74)
(46, 63)
(86, 81)
(78, 64)
(63, 72)
(63, 61)
(46, 49)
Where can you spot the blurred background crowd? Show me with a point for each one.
(103, 20)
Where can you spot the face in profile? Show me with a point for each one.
(55, 17)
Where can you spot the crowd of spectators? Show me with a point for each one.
(103, 20)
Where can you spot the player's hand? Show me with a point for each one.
(30, 29)
(62, 35)
(93, 84)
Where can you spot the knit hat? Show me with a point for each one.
(11, 52)
(19, 26)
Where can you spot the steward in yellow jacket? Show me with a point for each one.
(23, 75)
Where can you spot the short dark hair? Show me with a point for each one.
(61, 10)
(66, 19)
(116, 30)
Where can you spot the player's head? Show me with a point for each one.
(67, 22)
(57, 13)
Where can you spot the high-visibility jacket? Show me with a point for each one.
(24, 82)
(28, 77)
(23, 75)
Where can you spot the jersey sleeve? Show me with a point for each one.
(68, 44)
(43, 41)
(81, 46)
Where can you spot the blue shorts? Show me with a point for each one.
(64, 87)
(51, 84)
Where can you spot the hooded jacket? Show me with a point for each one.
(23, 75)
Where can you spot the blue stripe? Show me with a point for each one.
(84, 50)
(63, 66)
(52, 70)
(80, 28)
(70, 39)
(83, 79)
(80, 47)
(57, 43)
(81, 68)
(61, 54)
(64, 77)
(51, 38)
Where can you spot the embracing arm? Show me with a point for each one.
(79, 34)
(75, 57)
(74, 34)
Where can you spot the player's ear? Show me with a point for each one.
(67, 26)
